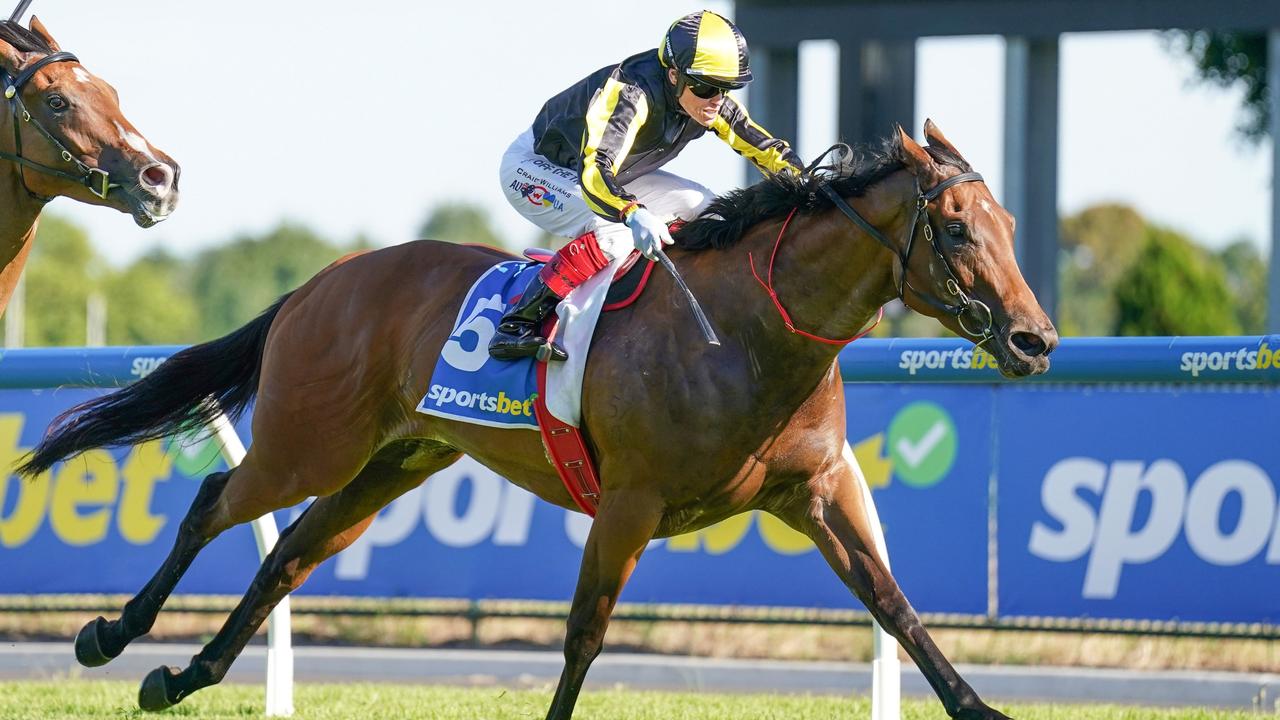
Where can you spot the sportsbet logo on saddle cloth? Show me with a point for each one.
(467, 384)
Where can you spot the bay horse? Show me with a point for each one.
(64, 135)
(686, 434)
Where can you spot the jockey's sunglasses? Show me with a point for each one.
(702, 90)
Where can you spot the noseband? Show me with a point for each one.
(98, 181)
(963, 303)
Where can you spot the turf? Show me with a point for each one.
(58, 699)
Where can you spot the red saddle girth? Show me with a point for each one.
(567, 450)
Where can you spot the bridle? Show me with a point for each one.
(97, 180)
(963, 302)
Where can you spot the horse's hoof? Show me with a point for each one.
(153, 695)
(984, 712)
(89, 651)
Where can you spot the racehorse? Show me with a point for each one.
(686, 434)
(64, 135)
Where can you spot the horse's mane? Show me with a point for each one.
(22, 39)
(729, 216)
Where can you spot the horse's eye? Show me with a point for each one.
(57, 102)
(955, 230)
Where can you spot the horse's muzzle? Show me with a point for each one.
(154, 196)
(1025, 350)
(150, 213)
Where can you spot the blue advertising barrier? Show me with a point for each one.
(1252, 359)
(1136, 480)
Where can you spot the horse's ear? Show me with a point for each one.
(38, 28)
(10, 58)
(937, 139)
(918, 161)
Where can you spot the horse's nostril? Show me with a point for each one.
(1028, 344)
(157, 178)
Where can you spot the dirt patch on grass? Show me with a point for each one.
(401, 624)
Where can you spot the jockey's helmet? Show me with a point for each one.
(706, 48)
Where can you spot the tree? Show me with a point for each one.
(1229, 58)
(1174, 288)
(234, 282)
(1099, 244)
(150, 303)
(460, 222)
(1246, 273)
(63, 271)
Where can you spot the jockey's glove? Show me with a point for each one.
(648, 232)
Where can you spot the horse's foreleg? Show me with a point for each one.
(835, 517)
(327, 527)
(623, 526)
(101, 640)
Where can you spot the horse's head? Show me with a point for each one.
(963, 271)
(69, 132)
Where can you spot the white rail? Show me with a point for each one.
(279, 634)
(886, 669)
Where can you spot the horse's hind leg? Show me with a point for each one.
(225, 499)
(835, 517)
(101, 640)
(331, 524)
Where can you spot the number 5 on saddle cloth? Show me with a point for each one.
(468, 385)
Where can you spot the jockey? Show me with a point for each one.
(588, 167)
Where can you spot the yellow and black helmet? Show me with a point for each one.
(707, 48)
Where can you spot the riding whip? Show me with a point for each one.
(700, 316)
(19, 11)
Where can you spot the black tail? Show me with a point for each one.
(174, 398)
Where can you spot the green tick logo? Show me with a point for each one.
(195, 457)
(922, 442)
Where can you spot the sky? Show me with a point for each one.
(357, 119)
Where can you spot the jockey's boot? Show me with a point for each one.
(518, 336)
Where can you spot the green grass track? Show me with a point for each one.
(59, 699)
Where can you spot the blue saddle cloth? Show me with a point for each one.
(467, 384)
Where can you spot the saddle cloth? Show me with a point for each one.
(469, 386)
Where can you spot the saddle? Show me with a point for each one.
(627, 284)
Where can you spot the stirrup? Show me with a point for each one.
(550, 351)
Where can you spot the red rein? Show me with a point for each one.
(777, 302)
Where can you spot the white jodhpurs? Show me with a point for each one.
(550, 197)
